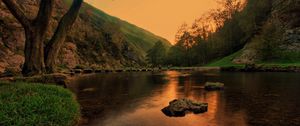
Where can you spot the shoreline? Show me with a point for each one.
(60, 77)
(261, 68)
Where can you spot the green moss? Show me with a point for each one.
(36, 104)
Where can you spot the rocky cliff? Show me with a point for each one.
(97, 39)
(279, 35)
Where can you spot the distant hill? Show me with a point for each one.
(97, 39)
(138, 37)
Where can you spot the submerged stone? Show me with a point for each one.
(210, 86)
(179, 107)
(89, 90)
(87, 71)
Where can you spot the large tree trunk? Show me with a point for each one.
(34, 53)
(53, 47)
(35, 31)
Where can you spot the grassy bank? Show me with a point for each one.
(227, 62)
(36, 104)
(280, 63)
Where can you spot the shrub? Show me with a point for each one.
(79, 66)
(36, 104)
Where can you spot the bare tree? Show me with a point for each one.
(39, 58)
(182, 29)
(227, 9)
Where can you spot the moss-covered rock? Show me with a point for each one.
(179, 107)
(214, 86)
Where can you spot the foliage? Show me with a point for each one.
(270, 39)
(220, 32)
(175, 56)
(36, 104)
(157, 54)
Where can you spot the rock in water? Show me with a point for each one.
(179, 107)
(211, 86)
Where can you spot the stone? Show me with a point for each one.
(180, 107)
(210, 86)
(99, 71)
(77, 71)
(89, 90)
(87, 71)
(119, 70)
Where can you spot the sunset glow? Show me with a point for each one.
(162, 17)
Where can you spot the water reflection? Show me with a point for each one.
(136, 99)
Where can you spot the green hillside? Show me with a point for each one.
(139, 38)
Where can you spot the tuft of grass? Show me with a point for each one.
(23, 104)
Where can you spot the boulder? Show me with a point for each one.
(99, 71)
(87, 71)
(180, 107)
(77, 71)
(210, 86)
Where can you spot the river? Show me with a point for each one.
(136, 98)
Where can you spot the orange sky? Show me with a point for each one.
(162, 17)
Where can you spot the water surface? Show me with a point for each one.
(136, 99)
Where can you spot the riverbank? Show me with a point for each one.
(227, 64)
(229, 67)
(63, 78)
(87, 71)
(37, 104)
(261, 68)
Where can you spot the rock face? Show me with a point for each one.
(179, 107)
(210, 86)
(285, 14)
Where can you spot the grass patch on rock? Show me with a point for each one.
(36, 104)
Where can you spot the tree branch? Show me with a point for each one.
(17, 12)
(53, 47)
(45, 12)
(66, 22)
